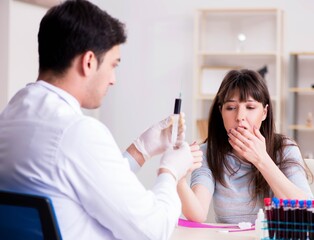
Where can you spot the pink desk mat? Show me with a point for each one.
(190, 224)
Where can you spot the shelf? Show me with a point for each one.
(299, 106)
(206, 97)
(301, 128)
(212, 96)
(239, 10)
(302, 53)
(244, 54)
(301, 90)
(236, 38)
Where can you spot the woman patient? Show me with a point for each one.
(245, 160)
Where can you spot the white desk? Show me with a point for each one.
(184, 233)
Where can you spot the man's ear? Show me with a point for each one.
(89, 63)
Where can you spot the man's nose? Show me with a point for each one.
(113, 79)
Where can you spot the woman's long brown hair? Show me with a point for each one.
(249, 84)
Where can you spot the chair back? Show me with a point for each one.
(25, 216)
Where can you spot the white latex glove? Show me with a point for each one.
(157, 139)
(178, 161)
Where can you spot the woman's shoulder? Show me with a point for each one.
(286, 140)
(203, 147)
(290, 147)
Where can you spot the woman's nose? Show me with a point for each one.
(240, 119)
(240, 116)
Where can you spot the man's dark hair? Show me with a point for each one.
(72, 28)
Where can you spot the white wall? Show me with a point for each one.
(18, 44)
(4, 50)
(159, 53)
(157, 56)
(23, 62)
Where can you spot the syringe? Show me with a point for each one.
(177, 109)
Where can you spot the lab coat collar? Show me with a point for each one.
(72, 101)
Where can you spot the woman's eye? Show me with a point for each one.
(229, 108)
(250, 107)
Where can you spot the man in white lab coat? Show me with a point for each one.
(48, 147)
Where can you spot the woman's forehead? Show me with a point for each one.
(238, 96)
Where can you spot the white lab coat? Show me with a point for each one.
(47, 146)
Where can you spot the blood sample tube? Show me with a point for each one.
(276, 217)
(293, 219)
(286, 224)
(301, 218)
(309, 217)
(269, 217)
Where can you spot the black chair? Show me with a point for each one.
(25, 216)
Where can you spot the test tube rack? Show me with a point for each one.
(288, 219)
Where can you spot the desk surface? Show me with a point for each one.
(185, 233)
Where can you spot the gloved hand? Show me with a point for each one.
(178, 161)
(157, 139)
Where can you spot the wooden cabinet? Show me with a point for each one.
(300, 106)
(226, 39)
